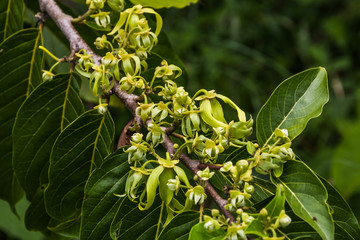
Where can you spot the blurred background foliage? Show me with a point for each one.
(244, 49)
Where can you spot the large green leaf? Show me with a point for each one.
(132, 223)
(307, 197)
(80, 148)
(41, 118)
(293, 103)
(20, 72)
(11, 17)
(100, 203)
(164, 3)
(180, 226)
(346, 224)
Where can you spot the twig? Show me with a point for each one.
(64, 22)
(81, 18)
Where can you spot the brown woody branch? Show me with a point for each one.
(64, 22)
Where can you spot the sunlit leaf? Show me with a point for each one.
(293, 103)
(307, 197)
(346, 224)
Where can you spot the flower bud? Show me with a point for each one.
(263, 212)
(215, 212)
(226, 167)
(47, 76)
(174, 184)
(205, 174)
(137, 137)
(242, 166)
(102, 108)
(249, 188)
(285, 221)
(100, 42)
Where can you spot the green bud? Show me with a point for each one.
(102, 108)
(242, 166)
(285, 220)
(215, 212)
(249, 188)
(47, 76)
(263, 212)
(100, 42)
(226, 167)
(116, 5)
(137, 137)
(205, 174)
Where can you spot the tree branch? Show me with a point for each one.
(64, 22)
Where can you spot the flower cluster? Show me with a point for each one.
(197, 121)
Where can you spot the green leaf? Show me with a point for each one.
(41, 118)
(100, 204)
(70, 228)
(11, 17)
(263, 189)
(36, 218)
(132, 223)
(80, 148)
(20, 72)
(346, 224)
(307, 197)
(179, 227)
(198, 232)
(164, 3)
(293, 103)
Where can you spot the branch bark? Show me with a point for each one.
(64, 22)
